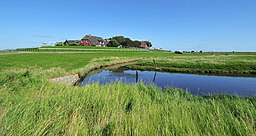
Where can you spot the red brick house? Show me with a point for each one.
(89, 40)
(144, 45)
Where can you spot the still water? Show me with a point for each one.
(195, 84)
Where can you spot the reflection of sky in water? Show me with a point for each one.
(195, 84)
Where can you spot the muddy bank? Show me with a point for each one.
(77, 78)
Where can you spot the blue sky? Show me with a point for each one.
(209, 25)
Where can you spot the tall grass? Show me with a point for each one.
(30, 105)
(202, 64)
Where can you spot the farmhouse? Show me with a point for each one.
(72, 42)
(143, 45)
(120, 41)
(89, 40)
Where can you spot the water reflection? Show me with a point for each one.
(195, 84)
(121, 71)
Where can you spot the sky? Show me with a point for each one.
(208, 25)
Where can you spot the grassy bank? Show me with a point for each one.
(211, 64)
(190, 63)
(83, 47)
(80, 49)
(31, 105)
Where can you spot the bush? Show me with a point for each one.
(59, 44)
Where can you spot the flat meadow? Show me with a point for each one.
(32, 105)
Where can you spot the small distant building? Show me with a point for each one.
(178, 52)
(144, 45)
(72, 42)
(89, 40)
(152, 48)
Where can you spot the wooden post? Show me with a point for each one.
(155, 64)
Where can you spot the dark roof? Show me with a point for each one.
(73, 41)
(95, 40)
(77, 42)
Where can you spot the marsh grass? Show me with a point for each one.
(202, 64)
(31, 105)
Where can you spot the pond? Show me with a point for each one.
(200, 85)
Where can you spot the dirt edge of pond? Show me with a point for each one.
(75, 79)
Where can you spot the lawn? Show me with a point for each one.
(31, 105)
(81, 49)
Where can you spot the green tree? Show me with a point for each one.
(120, 39)
(113, 43)
(127, 42)
(59, 44)
(136, 44)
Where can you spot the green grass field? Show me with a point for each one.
(83, 47)
(32, 105)
(80, 49)
(210, 64)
